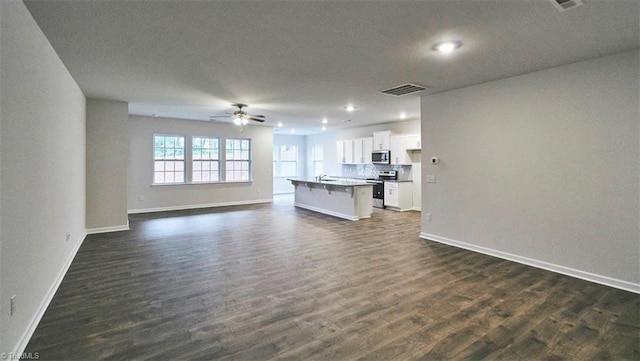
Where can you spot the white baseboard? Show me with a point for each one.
(197, 206)
(108, 229)
(26, 336)
(587, 276)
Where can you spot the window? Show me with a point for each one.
(288, 161)
(205, 160)
(285, 161)
(238, 160)
(181, 160)
(317, 156)
(168, 159)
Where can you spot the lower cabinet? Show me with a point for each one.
(398, 195)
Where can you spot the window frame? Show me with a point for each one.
(188, 160)
(184, 160)
(279, 162)
(314, 160)
(248, 160)
(193, 160)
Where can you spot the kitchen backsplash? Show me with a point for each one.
(371, 170)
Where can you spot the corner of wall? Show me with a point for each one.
(107, 164)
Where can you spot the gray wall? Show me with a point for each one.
(541, 168)
(107, 161)
(145, 197)
(42, 185)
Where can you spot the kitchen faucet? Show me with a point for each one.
(321, 176)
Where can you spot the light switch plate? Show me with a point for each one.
(431, 178)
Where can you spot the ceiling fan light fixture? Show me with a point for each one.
(237, 121)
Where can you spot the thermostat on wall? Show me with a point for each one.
(434, 160)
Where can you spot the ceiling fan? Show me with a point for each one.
(240, 117)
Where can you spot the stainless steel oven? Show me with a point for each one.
(378, 186)
(378, 192)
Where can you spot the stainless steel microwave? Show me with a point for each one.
(381, 157)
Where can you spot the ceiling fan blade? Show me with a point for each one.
(251, 117)
(219, 116)
(257, 116)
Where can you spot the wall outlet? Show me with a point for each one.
(68, 236)
(431, 178)
(428, 216)
(141, 197)
(13, 304)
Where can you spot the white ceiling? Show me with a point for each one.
(299, 61)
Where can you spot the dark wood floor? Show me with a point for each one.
(274, 282)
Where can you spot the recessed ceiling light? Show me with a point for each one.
(293, 131)
(350, 108)
(447, 47)
(324, 128)
(324, 121)
(403, 115)
(280, 124)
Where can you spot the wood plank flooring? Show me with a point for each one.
(270, 281)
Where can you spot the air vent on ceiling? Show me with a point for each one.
(404, 89)
(563, 5)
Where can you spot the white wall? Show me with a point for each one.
(329, 138)
(145, 197)
(541, 168)
(107, 162)
(281, 184)
(43, 173)
(331, 166)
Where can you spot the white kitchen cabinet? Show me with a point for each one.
(399, 154)
(391, 194)
(344, 151)
(382, 140)
(362, 148)
(398, 195)
(412, 142)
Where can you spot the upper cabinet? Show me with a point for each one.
(344, 151)
(413, 142)
(358, 151)
(399, 154)
(401, 146)
(382, 140)
(362, 148)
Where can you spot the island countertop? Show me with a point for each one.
(331, 181)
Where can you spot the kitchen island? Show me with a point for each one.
(348, 199)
